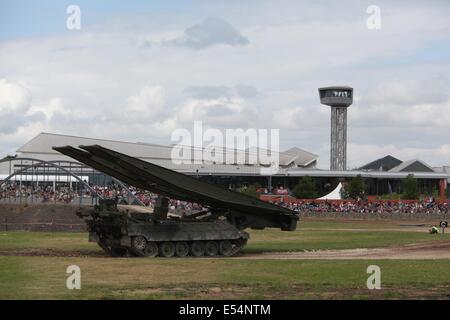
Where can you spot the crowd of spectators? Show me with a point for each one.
(40, 194)
(63, 194)
(428, 206)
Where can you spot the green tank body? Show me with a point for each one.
(139, 234)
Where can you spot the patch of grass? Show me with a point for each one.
(27, 277)
(109, 278)
(45, 240)
(14, 278)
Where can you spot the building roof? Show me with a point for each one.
(413, 165)
(298, 157)
(295, 160)
(382, 164)
(444, 169)
(163, 154)
(44, 142)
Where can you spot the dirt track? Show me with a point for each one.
(435, 250)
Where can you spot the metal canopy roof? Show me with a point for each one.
(42, 144)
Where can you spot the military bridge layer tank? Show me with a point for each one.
(140, 234)
(215, 231)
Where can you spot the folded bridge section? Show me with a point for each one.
(241, 210)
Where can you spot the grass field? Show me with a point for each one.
(44, 277)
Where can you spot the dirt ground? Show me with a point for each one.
(434, 250)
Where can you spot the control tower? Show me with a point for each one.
(339, 98)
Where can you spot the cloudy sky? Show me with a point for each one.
(138, 70)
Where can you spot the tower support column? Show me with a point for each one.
(338, 154)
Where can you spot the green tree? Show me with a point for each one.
(410, 188)
(305, 188)
(354, 189)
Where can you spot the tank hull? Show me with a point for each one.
(120, 235)
(186, 231)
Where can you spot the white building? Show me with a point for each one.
(40, 148)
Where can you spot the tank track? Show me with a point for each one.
(168, 249)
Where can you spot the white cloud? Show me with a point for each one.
(148, 105)
(212, 31)
(223, 112)
(48, 109)
(21, 114)
(15, 106)
(13, 97)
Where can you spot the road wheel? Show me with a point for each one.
(181, 249)
(211, 248)
(151, 250)
(226, 248)
(197, 249)
(138, 243)
(167, 249)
